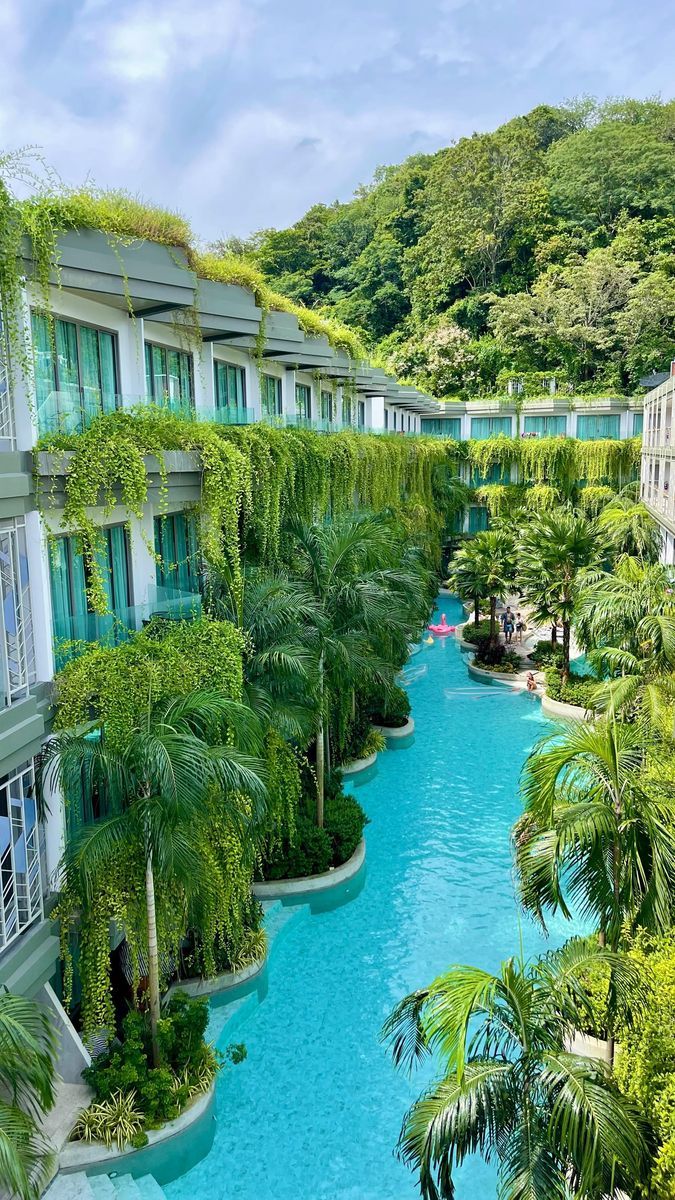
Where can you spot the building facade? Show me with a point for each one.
(657, 483)
(119, 338)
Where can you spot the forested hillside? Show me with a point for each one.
(548, 245)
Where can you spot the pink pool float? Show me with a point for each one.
(443, 629)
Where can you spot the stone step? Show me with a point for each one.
(70, 1187)
(126, 1188)
(102, 1187)
(149, 1188)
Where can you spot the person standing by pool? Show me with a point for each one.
(508, 626)
(520, 627)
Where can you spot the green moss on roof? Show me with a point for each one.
(121, 215)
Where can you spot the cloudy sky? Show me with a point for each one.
(242, 113)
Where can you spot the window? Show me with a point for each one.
(72, 616)
(545, 426)
(270, 394)
(495, 474)
(230, 386)
(386, 418)
(483, 427)
(177, 552)
(362, 414)
(347, 409)
(638, 420)
(449, 427)
(168, 377)
(593, 427)
(20, 869)
(326, 405)
(75, 374)
(17, 653)
(478, 519)
(303, 400)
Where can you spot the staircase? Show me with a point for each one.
(79, 1186)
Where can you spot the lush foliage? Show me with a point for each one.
(28, 1053)
(544, 248)
(554, 1122)
(130, 1094)
(579, 690)
(313, 850)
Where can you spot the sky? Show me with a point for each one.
(243, 113)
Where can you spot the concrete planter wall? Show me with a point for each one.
(277, 889)
(556, 708)
(510, 681)
(78, 1156)
(218, 983)
(359, 764)
(393, 732)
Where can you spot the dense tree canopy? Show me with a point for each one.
(546, 245)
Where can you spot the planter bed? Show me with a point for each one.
(394, 732)
(78, 1156)
(558, 708)
(218, 983)
(277, 889)
(359, 764)
(499, 677)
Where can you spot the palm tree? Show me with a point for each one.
(555, 1122)
(554, 552)
(467, 576)
(593, 836)
(642, 683)
(611, 605)
(630, 529)
(277, 615)
(366, 598)
(154, 788)
(494, 568)
(28, 1050)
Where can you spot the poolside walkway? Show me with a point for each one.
(533, 634)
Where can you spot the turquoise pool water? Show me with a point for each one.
(315, 1110)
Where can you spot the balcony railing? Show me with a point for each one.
(72, 410)
(235, 415)
(74, 632)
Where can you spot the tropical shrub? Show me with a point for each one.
(495, 656)
(547, 653)
(316, 849)
(130, 1093)
(578, 690)
(391, 711)
(645, 1068)
(344, 824)
(475, 633)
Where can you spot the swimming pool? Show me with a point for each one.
(314, 1111)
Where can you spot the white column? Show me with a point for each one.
(377, 413)
(132, 386)
(143, 566)
(202, 363)
(37, 553)
(572, 423)
(253, 396)
(288, 392)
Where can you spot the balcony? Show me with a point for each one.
(73, 633)
(72, 410)
(234, 415)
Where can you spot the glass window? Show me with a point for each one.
(176, 548)
(72, 617)
(17, 652)
(638, 421)
(168, 377)
(495, 474)
(347, 411)
(478, 518)
(75, 374)
(326, 405)
(483, 427)
(230, 386)
(303, 400)
(546, 426)
(386, 418)
(362, 415)
(449, 427)
(20, 868)
(270, 392)
(593, 427)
